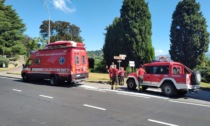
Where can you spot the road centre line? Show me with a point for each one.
(17, 90)
(160, 122)
(45, 96)
(188, 103)
(90, 106)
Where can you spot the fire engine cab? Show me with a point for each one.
(173, 78)
(58, 61)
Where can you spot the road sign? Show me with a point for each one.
(132, 63)
(122, 55)
(119, 58)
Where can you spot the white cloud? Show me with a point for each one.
(63, 5)
(159, 52)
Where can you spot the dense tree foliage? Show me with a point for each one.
(130, 34)
(96, 61)
(188, 35)
(30, 44)
(91, 62)
(11, 31)
(60, 30)
(114, 44)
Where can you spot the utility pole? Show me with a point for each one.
(48, 11)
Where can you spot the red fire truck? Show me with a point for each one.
(58, 61)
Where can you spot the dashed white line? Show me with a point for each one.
(45, 96)
(188, 103)
(95, 107)
(163, 123)
(17, 90)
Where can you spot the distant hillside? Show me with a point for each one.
(98, 54)
(169, 57)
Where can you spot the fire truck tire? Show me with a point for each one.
(169, 90)
(131, 84)
(196, 77)
(53, 80)
(25, 78)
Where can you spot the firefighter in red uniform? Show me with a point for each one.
(110, 73)
(121, 76)
(140, 75)
(114, 78)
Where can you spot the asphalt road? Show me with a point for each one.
(38, 104)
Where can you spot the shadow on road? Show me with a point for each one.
(47, 83)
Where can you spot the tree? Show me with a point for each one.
(114, 44)
(30, 44)
(60, 30)
(11, 33)
(188, 35)
(130, 34)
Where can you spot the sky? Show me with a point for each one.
(93, 16)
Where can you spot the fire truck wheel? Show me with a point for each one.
(25, 78)
(169, 90)
(53, 80)
(131, 84)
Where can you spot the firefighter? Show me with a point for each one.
(140, 75)
(121, 76)
(114, 78)
(110, 73)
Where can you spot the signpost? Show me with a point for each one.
(120, 58)
(132, 64)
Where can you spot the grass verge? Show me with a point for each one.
(205, 86)
(98, 77)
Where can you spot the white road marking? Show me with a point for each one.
(10, 78)
(188, 103)
(17, 90)
(92, 88)
(90, 106)
(143, 95)
(160, 122)
(45, 96)
(124, 92)
(156, 90)
(3, 77)
(95, 90)
(89, 87)
(135, 95)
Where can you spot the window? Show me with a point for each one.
(37, 61)
(177, 70)
(161, 70)
(76, 59)
(83, 59)
(148, 69)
